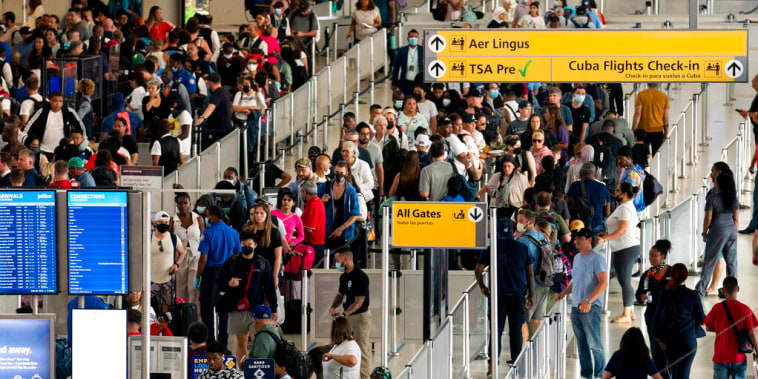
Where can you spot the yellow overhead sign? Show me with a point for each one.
(498, 55)
(439, 225)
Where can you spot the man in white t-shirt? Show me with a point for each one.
(426, 107)
(457, 149)
(52, 122)
(35, 100)
(184, 131)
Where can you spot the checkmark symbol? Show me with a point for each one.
(523, 72)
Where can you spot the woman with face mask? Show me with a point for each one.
(188, 227)
(166, 254)
(269, 237)
(341, 206)
(624, 238)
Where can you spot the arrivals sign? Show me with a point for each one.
(560, 55)
(439, 225)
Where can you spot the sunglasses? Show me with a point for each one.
(537, 140)
(160, 246)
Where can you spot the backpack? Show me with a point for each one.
(549, 263)
(604, 158)
(581, 208)
(549, 217)
(567, 268)
(62, 358)
(38, 104)
(584, 26)
(468, 192)
(296, 263)
(651, 189)
(103, 176)
(300, 361)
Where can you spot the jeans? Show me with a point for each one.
(623, 261)
(616, 98)
(655, 139)
(719, 240)
(730, 370)
(680, 352)
(587, 332)
(754, 220)
(208, 292)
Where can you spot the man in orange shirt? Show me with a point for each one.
(651, 113)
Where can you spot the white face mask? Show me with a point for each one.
(445, 102)
(228, 56)
(521, 228)
(252, 67)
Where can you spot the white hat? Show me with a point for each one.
(161, 215)
(423, 140)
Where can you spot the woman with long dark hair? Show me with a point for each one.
(720, 226)
(406, 183)
(718, 168)
(507, 187)
(632, 360)
(157, 26)
(678, 323)
(651, 285)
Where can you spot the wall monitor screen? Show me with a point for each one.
(27, 243)
(27, 346)
(97, 243)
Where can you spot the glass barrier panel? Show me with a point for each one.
(321, 91)
(338, 82)
(681, 227)
(230, 145)
(352, 69)
(458, 338)
(440, 352)
(210, 174)
(365, 53)
(301, 107)
(188, 176)
(283, 117)
(380, 48)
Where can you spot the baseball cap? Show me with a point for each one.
(161, 215)
(214, 77)
(584, 232)
(423, 140)
(303, 162)
(468, 117)
(25, 30)
(474, 92)
(581, 10)
(524, 104)
(262, 312)
(576, 225)
(75, 162)
(118, 101)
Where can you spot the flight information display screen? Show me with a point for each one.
(27, 243)
(97, 243)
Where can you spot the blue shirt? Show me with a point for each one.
(584, 274)
(219, 242)
(512, 258)
(86, 180)
(457, 199)
(30, 178)
(90, 302)
(597, 194)
(22, 94)
(534, 250)
(134, 121)
(351, 208)
(188, 79)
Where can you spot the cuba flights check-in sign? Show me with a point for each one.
(503, 55)
(439, 225)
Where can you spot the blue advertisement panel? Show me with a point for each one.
(259, 369)
(25, 348)
(27, 243)
(199, 363)
(97, 243)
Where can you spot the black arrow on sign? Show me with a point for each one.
(436, 42)
(437, 67)
(735, 68)
(476, 214)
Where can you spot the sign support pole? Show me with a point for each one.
(694, 13)
(146, 205)
(385, 283)
(494, 335)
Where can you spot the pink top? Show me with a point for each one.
(273, 47)
(293, 225)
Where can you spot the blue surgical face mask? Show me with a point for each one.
(200, 210)
(579, 98)
(339, 267)
(278, 11)
(556, 3)
(35, 150)
(398, 104)
(174, 69)
(494, 93)
(413, 41)
(445, 102)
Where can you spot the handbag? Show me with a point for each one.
(243, 304)
(440, 12)
(744, 344)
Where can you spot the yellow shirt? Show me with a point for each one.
(654, 105)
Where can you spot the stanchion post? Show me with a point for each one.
(393, 311)
(607, 250)
(146, 206)
(244, 156)
(693, 234)
(466, 336)
(414, 261)
(326, 133)
(373, 68)
(385, 284)
(494, 337)
(304, 296)
(329, 90)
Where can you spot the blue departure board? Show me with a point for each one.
(97, 243)
(27, 243)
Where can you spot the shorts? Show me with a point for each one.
(240, 323)
(544, 298)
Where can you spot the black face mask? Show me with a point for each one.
(161, 228)
(518, 151)
(247, 250)
(417, 97)
(245, 88)
(390, 125)
(340, 178)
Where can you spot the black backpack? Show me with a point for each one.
(605, 157)
(583, 26)
(103, 176)
(300, 361)
(651, 189)
(581, 208)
